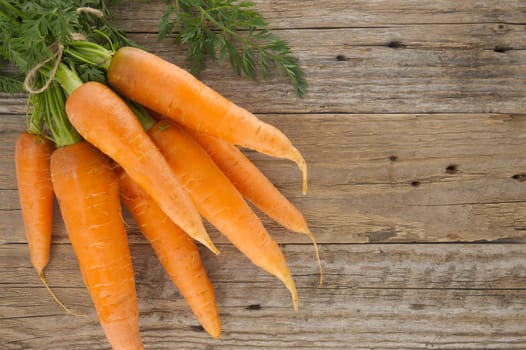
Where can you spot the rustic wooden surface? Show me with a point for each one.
(415, 133)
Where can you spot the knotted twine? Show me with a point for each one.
(57, 50)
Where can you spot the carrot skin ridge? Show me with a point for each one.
(255, 186)
(180, 96)
(117, 133)
(35, 192)
(176, 251)
(219, 202)
(88, 194)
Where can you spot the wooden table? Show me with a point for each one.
(415, 134)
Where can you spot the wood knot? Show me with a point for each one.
(395, 44)
(519, 177)
(415, 183)
(341, 58)
(452, 169)
(502, 49)
(500, 28)
(197, 328)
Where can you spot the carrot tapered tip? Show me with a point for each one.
(303, 168)
(207, 242)
(317, 252)
(215, 332)
(302, 165)
(295, 299)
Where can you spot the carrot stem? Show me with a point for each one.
(142, 115)
(68, 78)
(90, 53)
(62, 132)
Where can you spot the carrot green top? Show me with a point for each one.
(54, 100)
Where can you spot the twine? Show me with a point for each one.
(78, 37)
(90, 10)
(58, 50)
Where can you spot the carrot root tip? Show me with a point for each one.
(317, 252)
(303, 168)
(211, 246)
(68, 310)
(295, 300)
(302, 165)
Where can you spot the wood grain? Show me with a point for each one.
(451, 178)
(356, 71)
(414, 132)
(346, 13)
(381, 296)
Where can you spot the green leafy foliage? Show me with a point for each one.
(11, 83)
(29, 28)
(30, 31)
(233, 31)
(225, 30)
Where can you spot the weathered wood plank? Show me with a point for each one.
(357, 318)
(391, 177)
(379, 79)
(379, 296)
(373, 266)
(345, 13)
(375, 178)
(444, 68)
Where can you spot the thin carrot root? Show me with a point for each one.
(68, 310)
(291, 286)
(303, 167)
(297, 158)
(317, 252)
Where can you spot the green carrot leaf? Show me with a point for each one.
(224, 29)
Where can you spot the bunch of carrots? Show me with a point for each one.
(169, 172)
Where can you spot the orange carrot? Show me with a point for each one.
(87, 190)
(255, 186)
(171, 91)
(105, 120)
(176, 251)
(35, 191)
(219, 202)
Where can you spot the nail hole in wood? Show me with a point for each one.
(341, 58)
(452, 169)
(197, 328)
(519, 177)
(253, 307)
(393, 158)
(501, 49)
(395, 44)
(415, 183)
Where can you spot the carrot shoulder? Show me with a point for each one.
(35, 191)
(88, 194)
(176, 94)
(176, 252)
(219, 201)
(104, 120)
